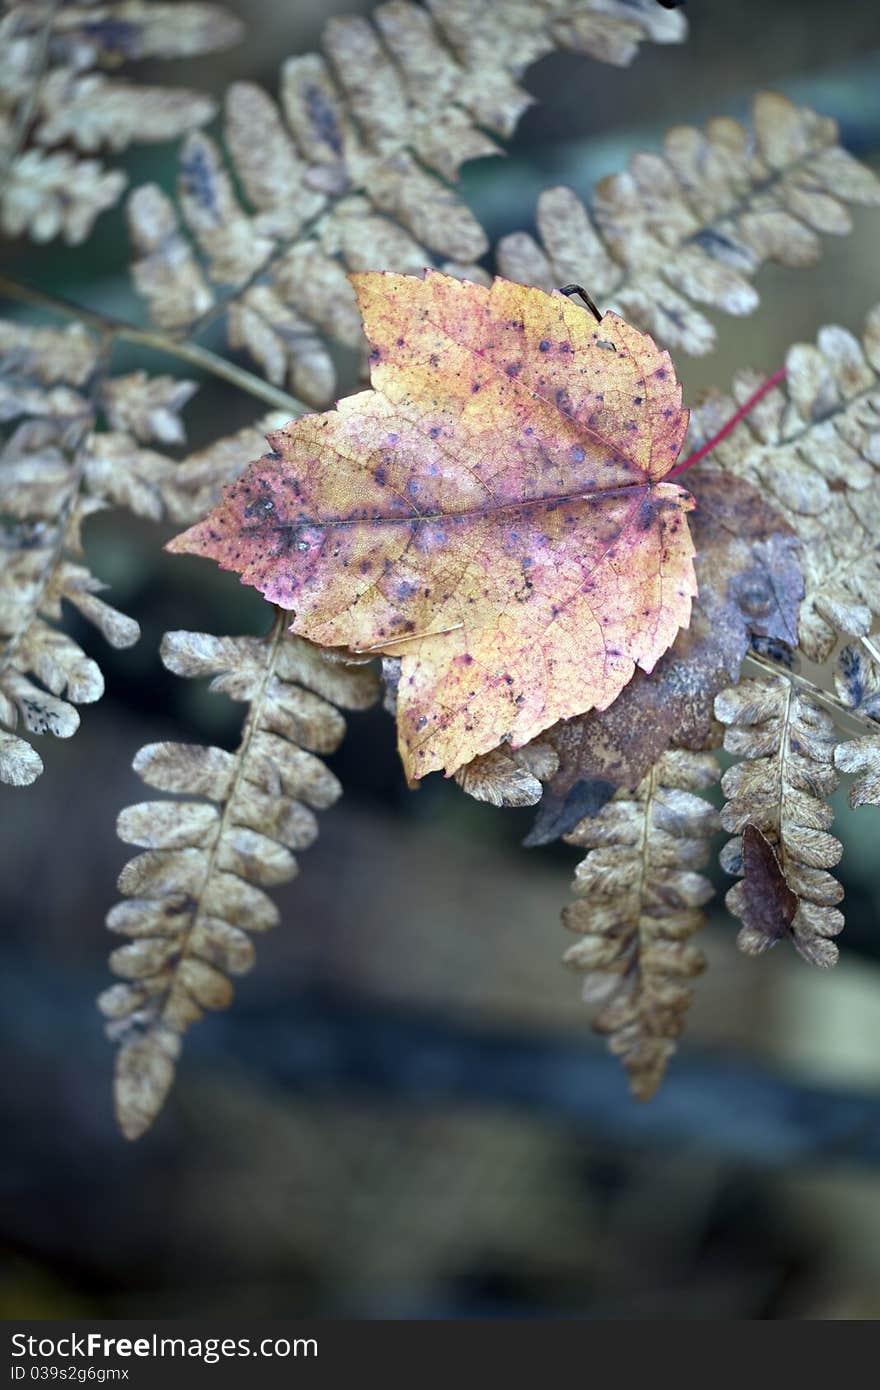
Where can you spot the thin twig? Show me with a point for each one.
(731, 425)
(871, 648)
(119, 331)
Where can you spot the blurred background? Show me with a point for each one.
(405, 1112)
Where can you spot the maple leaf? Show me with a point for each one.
(494, 510)
(750, 584)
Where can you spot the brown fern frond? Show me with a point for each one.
(56, 470)
(779, 789)
(197, 890)
(812, 448)
(693, 225)
(640, 899)
(349, 171)
(56, 91)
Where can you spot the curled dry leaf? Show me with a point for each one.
(749, 584)
(196, 893)
(494, 512)
(767, 905)
(786, 743)
(640, 897)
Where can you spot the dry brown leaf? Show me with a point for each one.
(766, 903)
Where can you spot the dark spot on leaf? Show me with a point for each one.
(322, 115)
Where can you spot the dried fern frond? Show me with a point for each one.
(197, 890)
(779, 789)
(509, 776)
(640, 899)
(349, 171)
(56, 92)
(813, 448)
(693, 225)
(55, 472)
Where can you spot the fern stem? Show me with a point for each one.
(731, 425)
(214, 365)
(203, 358)
(871, 648)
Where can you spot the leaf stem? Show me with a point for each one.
(731, 425)
(119, 331)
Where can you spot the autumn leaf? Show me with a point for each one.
(750, 584)
(493, 511)
(768, 904)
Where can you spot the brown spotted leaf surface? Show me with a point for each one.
(750, 584)
(493, 511)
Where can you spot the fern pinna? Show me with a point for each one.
(350, 169)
